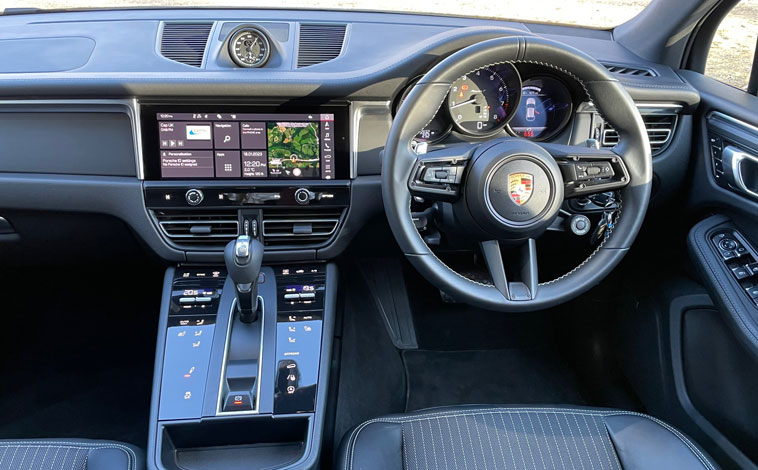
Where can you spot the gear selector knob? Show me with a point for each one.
(243, 257)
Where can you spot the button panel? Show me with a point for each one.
(195, 294)
(740, 259)
(299, 325)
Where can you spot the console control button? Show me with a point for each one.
(753, 268)
(741, 272)
(194, 197)
(752, 292)
(302, 196)
(238, 401)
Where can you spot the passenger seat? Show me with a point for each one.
(66, 454)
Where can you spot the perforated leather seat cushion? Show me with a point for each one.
(69, 454)
(484, 438)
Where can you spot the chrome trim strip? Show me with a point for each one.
(131, 109)
(219, 402)
(644, 108)
(358, 109)
(735, 121)
(733, 158)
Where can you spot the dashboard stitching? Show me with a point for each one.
(618, 211)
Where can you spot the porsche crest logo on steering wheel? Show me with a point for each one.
(520, 187)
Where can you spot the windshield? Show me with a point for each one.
(591, 13)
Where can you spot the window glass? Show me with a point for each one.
(591, 13)
(730, 58)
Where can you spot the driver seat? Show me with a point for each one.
(485, 437)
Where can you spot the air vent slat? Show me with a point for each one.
(660, 129)
(320, 43)
(299, 228)
(191, 228)
(630, 70)
(185, 42)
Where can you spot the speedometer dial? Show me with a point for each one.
(544, 110)
(481, 102)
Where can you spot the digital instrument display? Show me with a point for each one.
(545, 109)
(247, 145)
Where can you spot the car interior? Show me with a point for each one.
(305, 238)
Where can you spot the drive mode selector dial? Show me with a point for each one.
(194, 197)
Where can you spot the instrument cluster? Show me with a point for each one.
(496, 99)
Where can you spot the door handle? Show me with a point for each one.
(741, 170)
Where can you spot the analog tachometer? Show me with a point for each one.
(481, 102)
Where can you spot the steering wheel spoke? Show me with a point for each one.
(588, 170)
(438, 175)
(523, 288)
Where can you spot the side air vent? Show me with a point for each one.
(630, 70)
(198, 229)
(319, 43)
(660, 130)
(299, 228)
(185, 42)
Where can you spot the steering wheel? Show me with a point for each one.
(477, 180)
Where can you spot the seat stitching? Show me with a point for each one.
(55, 457)
(434, 445)
(507, 438)
(44, 457)
(13, 457)
(518, 441)
(131, 456)
(471, 441)
(404, 449)
(605, 446)
(489, 440)
(502, 410)
(23, 457)
(526, 436)
(549, 450)
(34, 457)
(481, 444)
(592, 439)
(76, 456)
(423, 444)
(557, 444)
(450, 431)
(442, 443)
(573, 436)
(537, 443)
(584, 441)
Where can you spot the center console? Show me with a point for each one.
(244, 350)
(230, 394)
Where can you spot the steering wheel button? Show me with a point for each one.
(440, 174)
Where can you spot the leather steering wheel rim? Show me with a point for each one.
(610, 99)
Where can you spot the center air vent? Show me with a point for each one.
(185, 42)
(299, 228)
(660, 130)
(211, 230)
(634, 71)
(319, 43)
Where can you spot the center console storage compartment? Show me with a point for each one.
(259, 442)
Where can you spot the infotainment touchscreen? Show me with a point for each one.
(247, 145)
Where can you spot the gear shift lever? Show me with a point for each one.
(243, 258)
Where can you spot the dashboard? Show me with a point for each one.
(217, 122)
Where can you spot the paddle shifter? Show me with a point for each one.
(243, 258)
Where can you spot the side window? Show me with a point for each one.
(730, 58)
